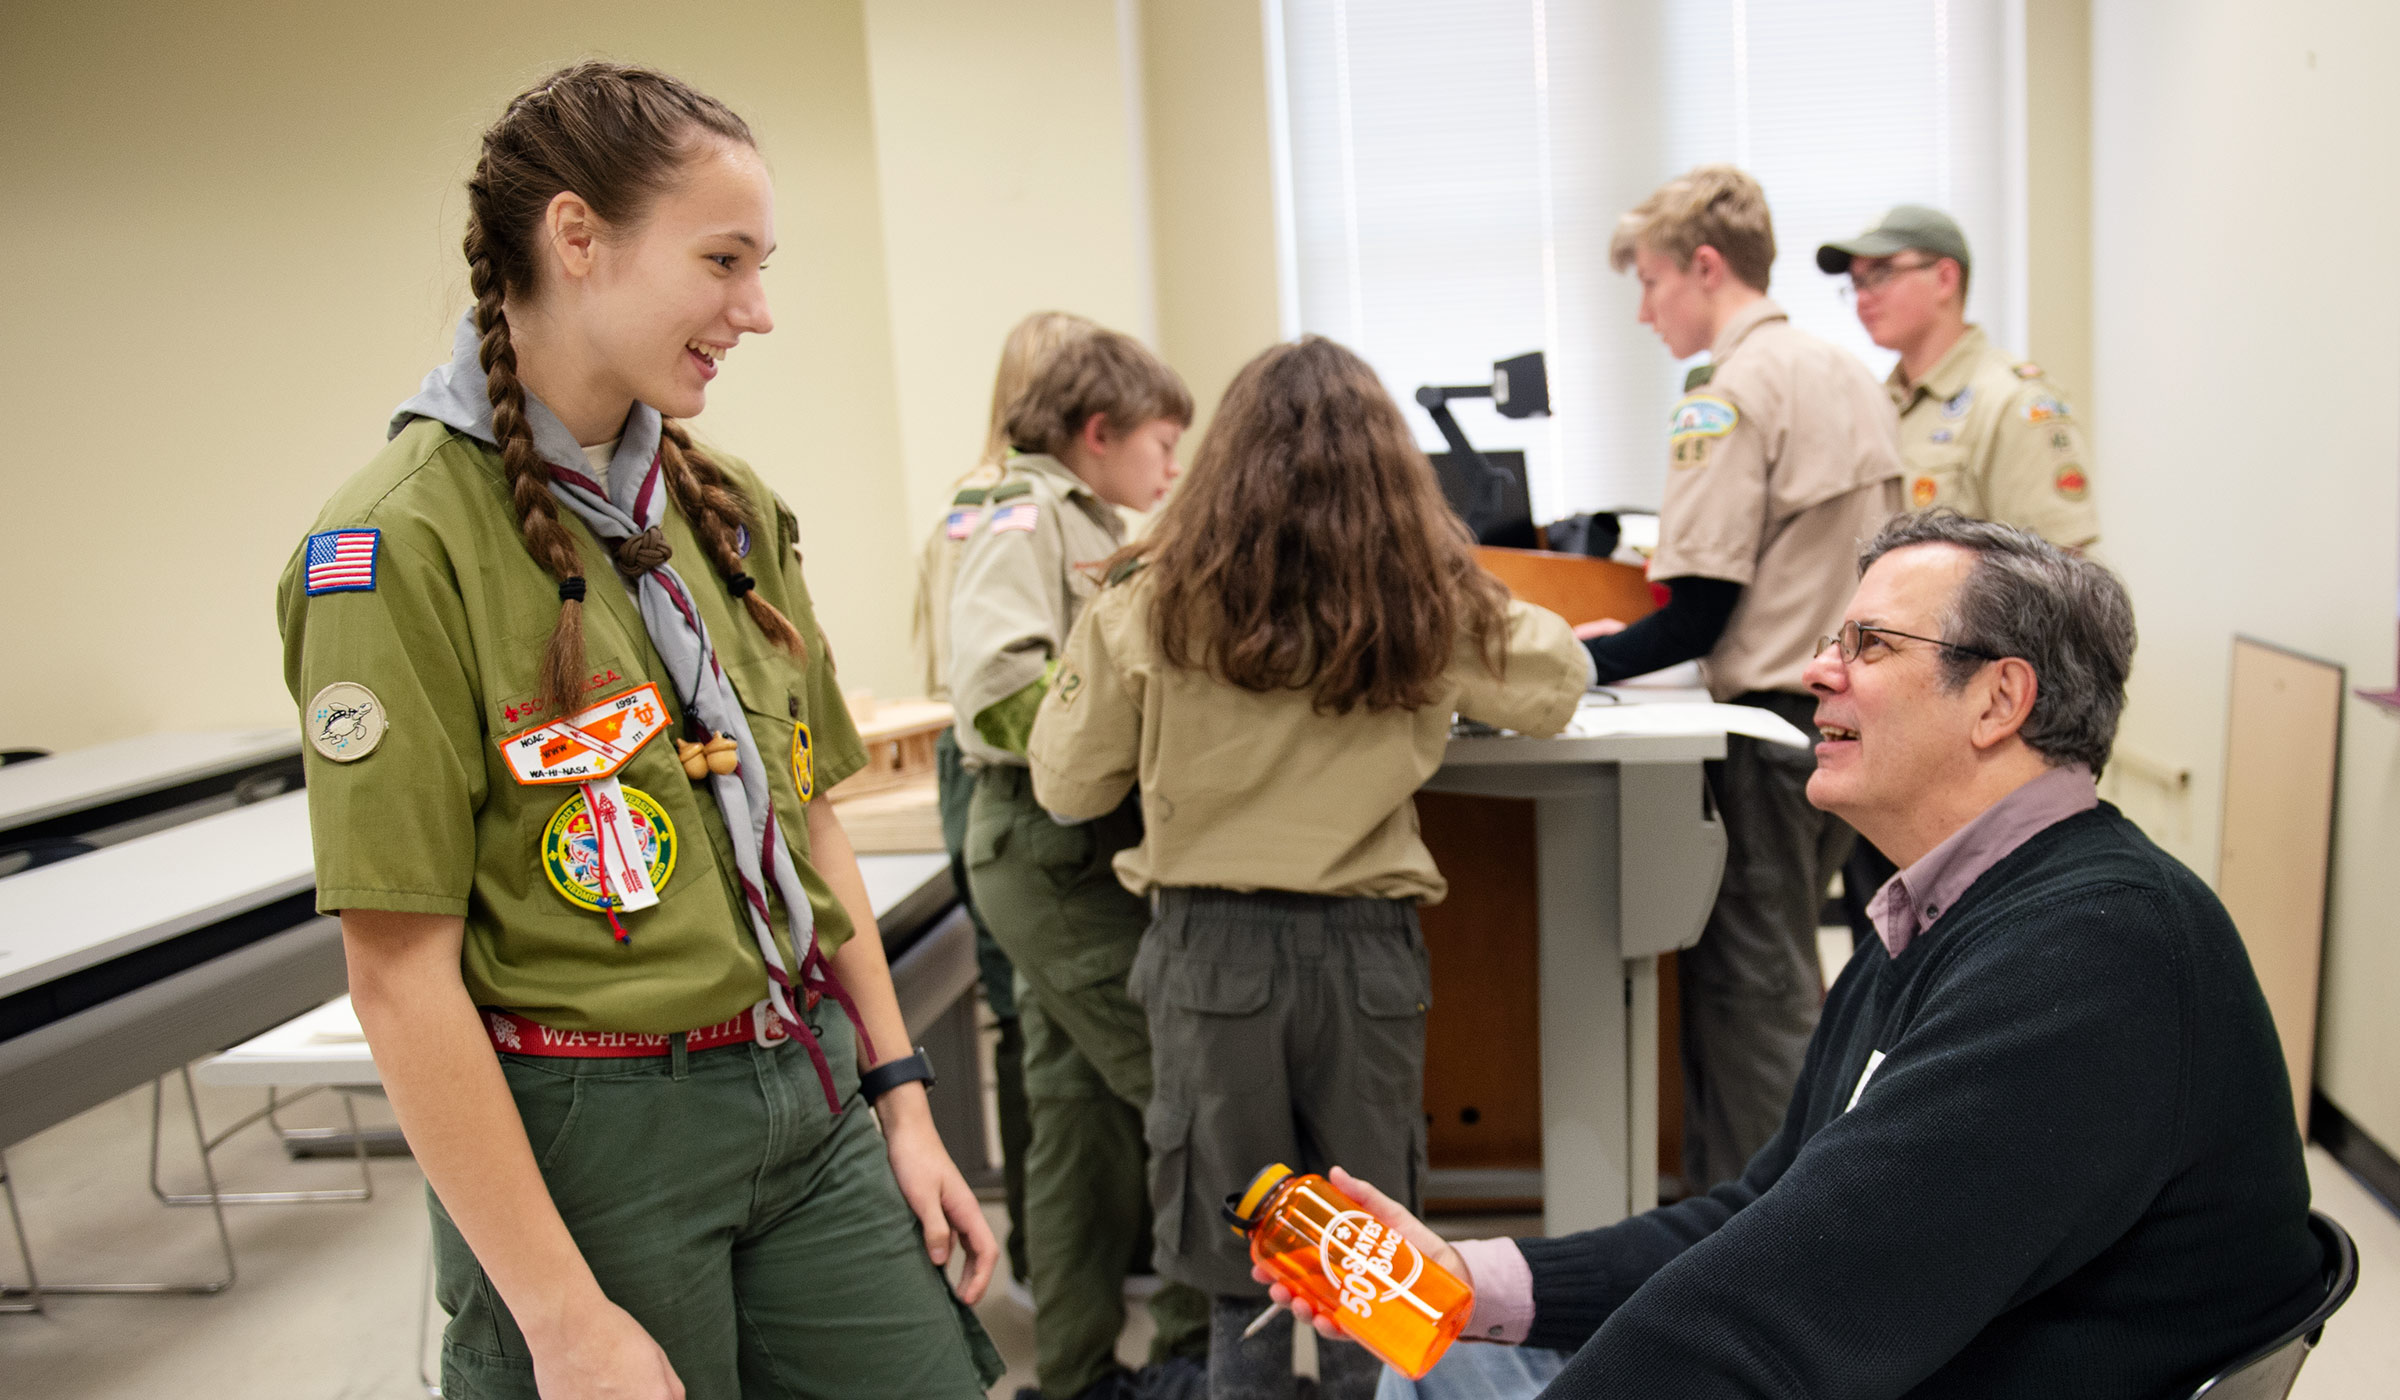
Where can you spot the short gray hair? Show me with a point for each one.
(2062, 614)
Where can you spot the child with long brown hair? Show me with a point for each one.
(568, 709)
(1276, 665)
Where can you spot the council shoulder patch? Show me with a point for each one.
(2071, 482)
(345, 722)
(1698, 420)
(342, 561)
(2042, 408)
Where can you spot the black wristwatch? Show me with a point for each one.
(891, 1074)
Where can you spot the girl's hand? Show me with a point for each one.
(946, 1208)
(1390, 1212)
(601, 1353)
(1604, 627)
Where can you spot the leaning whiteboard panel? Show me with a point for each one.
(46, 788)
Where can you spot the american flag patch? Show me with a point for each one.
(342, 561)
(962, 523)
(1017, 517)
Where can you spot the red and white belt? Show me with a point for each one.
(517, 1035)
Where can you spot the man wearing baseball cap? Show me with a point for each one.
(1982, 432)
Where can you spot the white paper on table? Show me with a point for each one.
(1666, 718)
(334, 1023)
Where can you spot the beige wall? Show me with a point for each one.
(231, 235)
(2249, 464)
(2058, 194)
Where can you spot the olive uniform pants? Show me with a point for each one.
(954, 787)
(1052, 900)
(1751, 987)
(760, 1240)
(1289, 1028)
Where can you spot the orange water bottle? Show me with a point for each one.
(1351, 1267)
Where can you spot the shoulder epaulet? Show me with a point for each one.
(970, 496)
(2027, 369)
(1698, 376)
(1126, 569)
(1009, 491)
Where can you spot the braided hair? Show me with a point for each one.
(618, 136)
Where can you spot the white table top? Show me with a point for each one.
(61, 918)
(69, 782)
(327, 1047)
(1641, 725)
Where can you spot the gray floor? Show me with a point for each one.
(326, 1304)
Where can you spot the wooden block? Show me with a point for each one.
(905, 817)
(900, 738)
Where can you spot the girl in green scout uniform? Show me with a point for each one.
(1094, 430)
(1276, 666)
(567, 707)
(1029, 343)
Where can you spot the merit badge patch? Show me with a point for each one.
(620, 861)
(1020, 516)
(345, 722)
(1957, 404)
(342, 561)
(2071, 482)
(962, 522)
(591, 743)
(1697, 420)
(1923, 491)
(804, 773)
(2044, 409)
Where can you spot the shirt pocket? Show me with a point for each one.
(1937, 475)
(776, 708)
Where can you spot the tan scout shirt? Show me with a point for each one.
(1779, 467)
(1028, 569)
(937, 570)
(1247, 791)
(1991, 437)
(430, 819)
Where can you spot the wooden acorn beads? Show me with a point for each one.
(718, 756)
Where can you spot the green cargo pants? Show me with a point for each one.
(1052, 900)
(760, 1240)
(954, 787)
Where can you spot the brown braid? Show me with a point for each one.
(719, 513)
(550, 542)
(619, 136)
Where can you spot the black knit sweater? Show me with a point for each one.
(2076, 1171)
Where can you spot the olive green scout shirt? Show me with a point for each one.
(430, 818)
(1779, 466)
(1991, 437)
(1247, 791)
(1029, 567)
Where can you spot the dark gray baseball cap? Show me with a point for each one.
(1902, 227)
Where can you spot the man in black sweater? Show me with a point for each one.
(2042, 1143)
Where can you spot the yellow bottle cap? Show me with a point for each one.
(1239, 1215)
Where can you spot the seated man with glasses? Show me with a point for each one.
(2043, 1143)
(1983, 432)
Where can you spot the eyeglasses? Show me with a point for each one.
(1873, 278)
(1853, 640)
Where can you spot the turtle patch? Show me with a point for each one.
(345, 722)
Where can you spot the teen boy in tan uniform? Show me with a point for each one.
(1781, 458)
(1096, 429)
(1984, 433)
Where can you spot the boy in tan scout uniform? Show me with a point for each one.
(1030, 342)
(1095, 430)
(1983, 432)
(1781, 458)
(1273, 671)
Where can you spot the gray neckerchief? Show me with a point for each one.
(455, 395)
